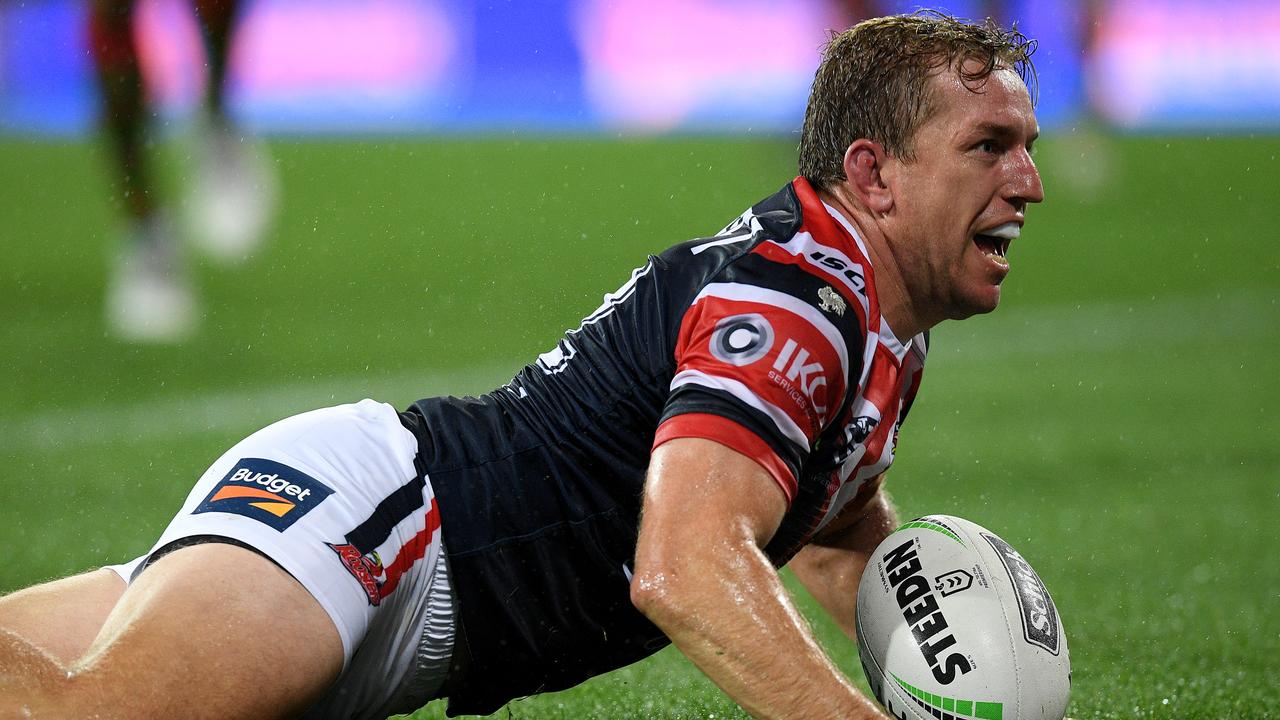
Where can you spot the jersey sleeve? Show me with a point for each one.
(760, 368)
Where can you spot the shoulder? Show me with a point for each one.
(778, 216)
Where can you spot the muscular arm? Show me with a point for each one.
(702, 577)
(830, 566)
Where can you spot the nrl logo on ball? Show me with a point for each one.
(831, 301)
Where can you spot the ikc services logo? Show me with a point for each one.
(267, 491)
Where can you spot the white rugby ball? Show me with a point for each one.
(953, 624)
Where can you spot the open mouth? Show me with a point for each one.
(995, 242)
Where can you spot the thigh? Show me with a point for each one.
(326, 495)
(62, 617)
(334, 498)
(208, 631)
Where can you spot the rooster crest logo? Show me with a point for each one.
(831, 301)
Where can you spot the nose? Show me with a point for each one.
(1023, 184)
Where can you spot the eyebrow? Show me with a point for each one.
(1002, 131)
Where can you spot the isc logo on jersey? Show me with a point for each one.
(267, 491)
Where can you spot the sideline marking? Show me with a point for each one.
(224, 411)
(1014, 333)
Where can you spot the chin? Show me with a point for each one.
(979, 303)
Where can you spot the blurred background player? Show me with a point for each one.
(231, 195)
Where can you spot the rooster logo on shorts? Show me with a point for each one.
(367, 569)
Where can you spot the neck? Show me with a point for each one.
(896, 305)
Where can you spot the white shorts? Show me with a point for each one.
(334, 498)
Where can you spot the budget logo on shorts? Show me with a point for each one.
(267, 491)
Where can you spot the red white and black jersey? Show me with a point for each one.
(766, 338)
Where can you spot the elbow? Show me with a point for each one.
(657, 594)
(649, 592)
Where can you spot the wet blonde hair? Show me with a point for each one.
(873, 82)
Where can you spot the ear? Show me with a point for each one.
(865, 163)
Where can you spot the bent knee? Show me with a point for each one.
(32, 682)
(64, 616)
(196, 628)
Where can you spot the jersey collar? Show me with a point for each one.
(829, 227)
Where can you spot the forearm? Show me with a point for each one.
(745, 633)
(701, 576)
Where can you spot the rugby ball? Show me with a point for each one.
(954, 624)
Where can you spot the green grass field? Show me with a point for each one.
(1116, 420)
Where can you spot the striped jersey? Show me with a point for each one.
(766, 338)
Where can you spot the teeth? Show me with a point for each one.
(1007, 231)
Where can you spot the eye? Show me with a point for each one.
(988, 146)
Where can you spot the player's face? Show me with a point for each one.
(963, 199)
